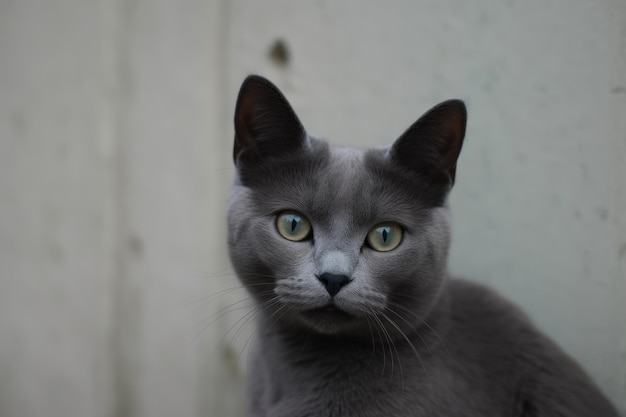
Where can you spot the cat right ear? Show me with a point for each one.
(431, 146)
(265, 123)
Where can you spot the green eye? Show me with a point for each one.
(385, 237)
(293, 226)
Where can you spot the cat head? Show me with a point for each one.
(339, 240)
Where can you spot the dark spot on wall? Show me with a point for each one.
(620, 89)
(602, 212)
(279, 53)
(622, 251)
(135, 245)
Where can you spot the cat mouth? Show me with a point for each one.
(329, 312)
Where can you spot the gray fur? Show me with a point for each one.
(407, 340)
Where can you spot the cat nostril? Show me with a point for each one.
(333, 282)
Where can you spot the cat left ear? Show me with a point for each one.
(431, 146)
(265, 123)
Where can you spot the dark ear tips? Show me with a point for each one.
(242, 111)
(249, 92)
(431, 146)
(450, 117)
(456, 111)
(265, 123)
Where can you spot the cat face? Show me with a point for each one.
(336, 240)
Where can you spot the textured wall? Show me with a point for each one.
(115, 159)
(56, 238)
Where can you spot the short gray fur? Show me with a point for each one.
(403, 338)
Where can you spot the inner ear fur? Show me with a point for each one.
(431, 146)
(265, 123)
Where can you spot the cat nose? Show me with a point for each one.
(333, 282)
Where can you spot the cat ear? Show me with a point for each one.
(431, 146)
(265, 123)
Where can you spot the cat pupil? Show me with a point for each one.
(294, 223)
(385, 235)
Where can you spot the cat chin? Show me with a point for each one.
(330, 320)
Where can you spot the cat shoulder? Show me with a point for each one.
(482, 304)
(497, 333)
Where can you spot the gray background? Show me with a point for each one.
(115, 161)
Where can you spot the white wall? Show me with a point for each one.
(115, 159)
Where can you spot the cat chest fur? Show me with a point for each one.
(430, 376)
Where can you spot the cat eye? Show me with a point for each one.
(384, 237)
(293, 226)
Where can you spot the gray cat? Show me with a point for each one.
(345, 252)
